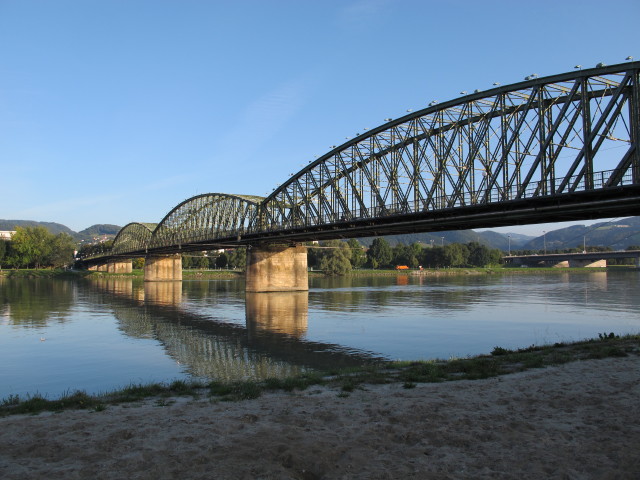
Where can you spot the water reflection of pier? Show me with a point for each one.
(270, 345)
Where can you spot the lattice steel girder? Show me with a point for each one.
(133, 237)
(205, 218)
(553, 148)
(539, 137)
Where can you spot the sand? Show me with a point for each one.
(576, 421)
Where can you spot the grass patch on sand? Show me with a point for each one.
(500, 361)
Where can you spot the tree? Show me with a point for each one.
(358, 255)
(186, 261)
(336, 258)
(455, 255)
(62, 250)
(479, 255)
(379, 254)
(238, 258)
(3, 251)
(433, 257)
(222, 260)
(400, 254)
(415, 252)
(32, 246)
(408, 255)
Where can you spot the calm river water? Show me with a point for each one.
(101, 334)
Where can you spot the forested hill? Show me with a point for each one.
(54, 228)
(487, 238)
(87, 234)
(99, 231)
(617, 235)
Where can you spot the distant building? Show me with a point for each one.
(6, 234)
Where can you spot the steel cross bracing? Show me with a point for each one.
(548, 149)
(546, 138)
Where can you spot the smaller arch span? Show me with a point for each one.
(206, 218)
(133, 237)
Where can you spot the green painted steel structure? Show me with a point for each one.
(563, 147)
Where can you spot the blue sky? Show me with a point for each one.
(113, 111)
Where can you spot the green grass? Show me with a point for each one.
(408, 374)
(43, 273)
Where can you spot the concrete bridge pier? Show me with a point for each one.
(98, 268)
(276, 268)
(120, 266)
(161, 268)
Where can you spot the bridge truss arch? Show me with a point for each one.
(204, 219)
(133, 237)
(542, 140)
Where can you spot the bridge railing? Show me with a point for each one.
(599, 180)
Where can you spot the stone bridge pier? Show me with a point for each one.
(161, 268)
(276, 268)
(120, 266)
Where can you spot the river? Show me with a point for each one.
(99, 334)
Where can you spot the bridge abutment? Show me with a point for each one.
(276, 268)
(161, 268)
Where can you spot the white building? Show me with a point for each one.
(6, 234)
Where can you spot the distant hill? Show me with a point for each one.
(99, 230)
(88, 234)
(489, 238)
(54, 228)
(617, 235)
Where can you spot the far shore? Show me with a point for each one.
(205, 274)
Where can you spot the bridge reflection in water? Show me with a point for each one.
(271, 344)
(277, 312)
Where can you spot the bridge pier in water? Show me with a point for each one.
(120, 266)
(162, 268)
(276, 268)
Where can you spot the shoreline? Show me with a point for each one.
(226, 274)
(499, 362)
(577, 420)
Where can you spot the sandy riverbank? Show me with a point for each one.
(576, 421)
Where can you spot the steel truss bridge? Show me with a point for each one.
(563, 147)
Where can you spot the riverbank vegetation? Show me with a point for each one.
(335, 257)
(35, 247)
(500, 361)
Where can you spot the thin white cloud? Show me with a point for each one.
(262, 120)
